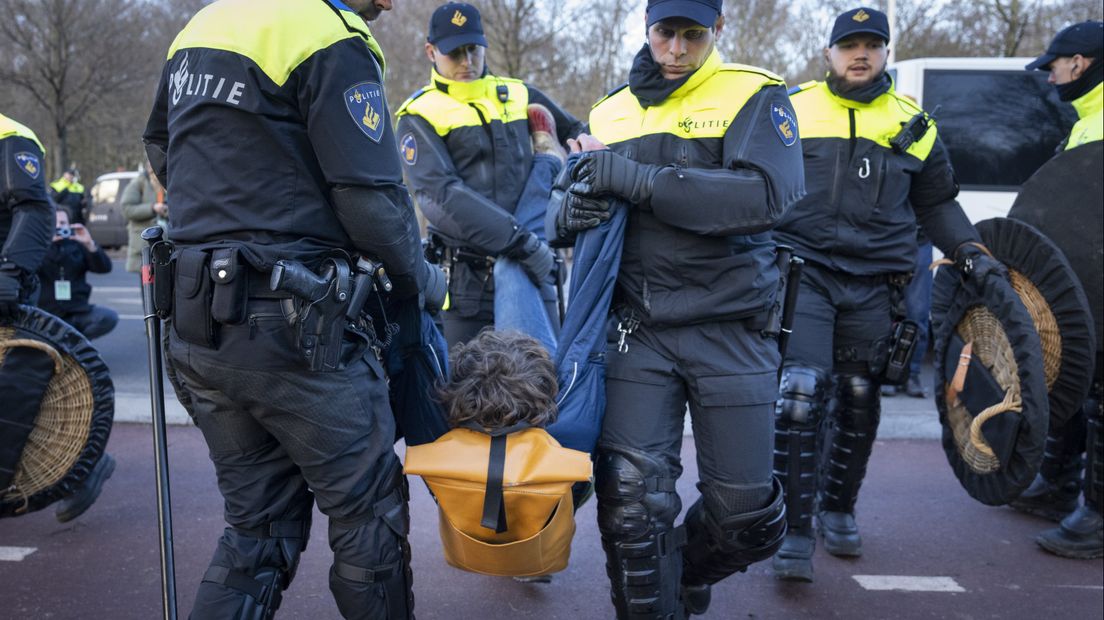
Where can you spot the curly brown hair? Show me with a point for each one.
(498, 379)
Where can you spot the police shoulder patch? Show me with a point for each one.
(28, 163)
(785, 123)
(408, 149)
(365, 104)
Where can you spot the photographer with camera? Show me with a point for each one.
(64, 291)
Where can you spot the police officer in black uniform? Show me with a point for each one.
(1075, 61)
(271, 131)
(26, 214)
(707, 156)
(465, 141)
(874, 169)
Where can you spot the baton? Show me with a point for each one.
(793, 282)
(153, 235)
(561, 277)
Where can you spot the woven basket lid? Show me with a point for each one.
(995, 444)
(74, 420)
(1059, 309)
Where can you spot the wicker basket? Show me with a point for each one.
(62, 427)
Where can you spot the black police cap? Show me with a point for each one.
(861, 20)
(704, 12)
(455, 24)
(1086, 38)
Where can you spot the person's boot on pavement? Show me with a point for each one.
(914, 388)
(1054, 492)
(1081, 533)
(82, 499)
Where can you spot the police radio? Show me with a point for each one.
(913, 130)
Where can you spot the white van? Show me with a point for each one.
(998, 121)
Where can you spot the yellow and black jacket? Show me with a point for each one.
(1090, 113)
(262, 113)
(26, 214)
(864, 199)
(701, 250)
(467, 155)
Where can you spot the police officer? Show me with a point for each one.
(874, 168)
(465, 142)
(26, 215)
(271, 131)
(707, 157)
(1074, 60)
(68, 192)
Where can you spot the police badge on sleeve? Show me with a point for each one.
(785, 124)
(365, 104)
(28, 162)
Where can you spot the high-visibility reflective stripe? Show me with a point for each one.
(467, 104)
(9, 128)
(820, 114)
(702, 108)
(284, 33)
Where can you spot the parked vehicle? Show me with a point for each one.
(105, 218)
(999, 122)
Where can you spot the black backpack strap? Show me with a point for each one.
(494, 506)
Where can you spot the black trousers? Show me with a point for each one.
(279, 434)
(725, 372)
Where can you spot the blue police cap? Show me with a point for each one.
(1086, 38)
(861, 20)
(455, 24)
(704, 12)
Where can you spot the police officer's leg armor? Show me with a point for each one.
(1054, 491)
(271, 552)
(381, 587)
(848, 442)
(637, 506)
(731, 527)
(1081, 533)
(798, 415)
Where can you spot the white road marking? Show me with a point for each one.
(132, 317)
(15, 554)
(1082, 587)
(907, 583)
(120, 300)
(136, 289)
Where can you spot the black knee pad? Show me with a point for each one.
(636, 493)
(860, 403)
(730, 528)
(803, 395)
(383, 590)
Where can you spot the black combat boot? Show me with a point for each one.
(794, 561)
(82, 499)
(1054, 492)
(1081, 534)
(848, 443)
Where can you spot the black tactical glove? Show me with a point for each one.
(582, 212)
(600, 173)
(436, 288)
(974, 261)
(535, 257)
(11, 285)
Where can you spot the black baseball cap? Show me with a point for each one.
(455, 24)
(1086, 38)
(861, 20)
(704, 12)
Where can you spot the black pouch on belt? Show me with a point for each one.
(192, 299)
(231, 286)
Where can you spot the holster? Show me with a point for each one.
(231, 286)
(191, 297)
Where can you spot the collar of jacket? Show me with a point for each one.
(650, 87)
(851, 103)
(1091, 102)
(475, 90)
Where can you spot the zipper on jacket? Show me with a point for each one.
(851, 151)
(254, 318)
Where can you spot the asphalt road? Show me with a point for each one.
(930, 550)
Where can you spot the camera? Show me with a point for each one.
(64, 232)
